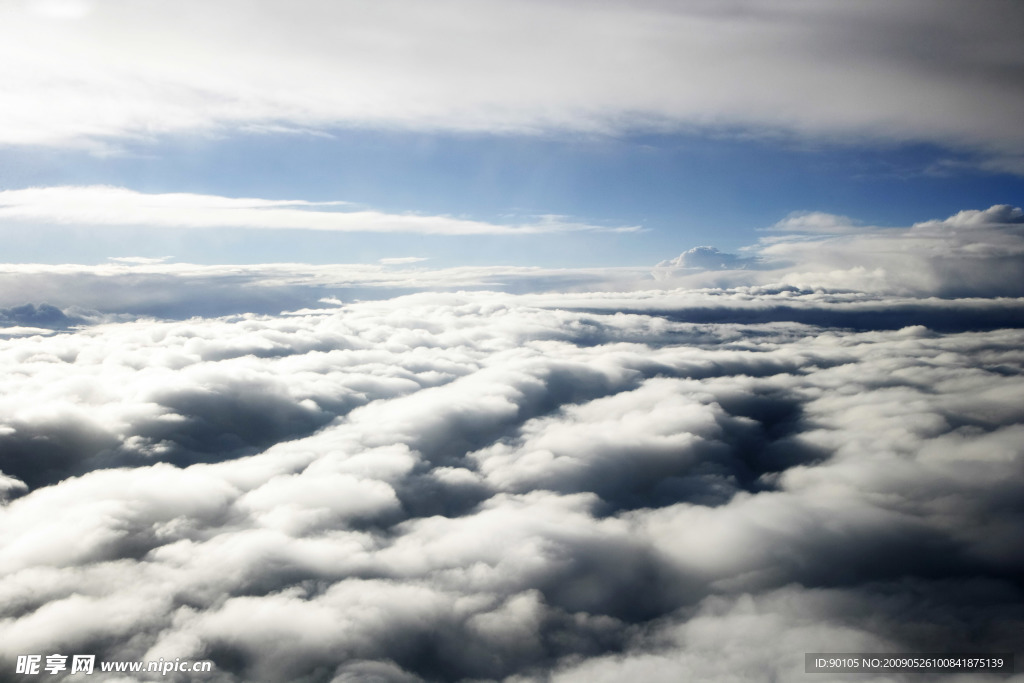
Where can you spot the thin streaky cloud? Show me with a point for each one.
(401, 260)
(99, 205)
(139, 260)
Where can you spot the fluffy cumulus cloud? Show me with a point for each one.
(90, 72)
(472, 486)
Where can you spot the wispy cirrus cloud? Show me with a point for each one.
(99, 205)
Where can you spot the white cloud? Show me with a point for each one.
(102, 205)
(122, 70)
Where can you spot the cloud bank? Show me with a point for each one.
(973, 253)
(485, 486)
(100, 72)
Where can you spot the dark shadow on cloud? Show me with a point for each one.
(951, 319)
(214, 424)
(709, 473)
(460, 430)
(706, 471)
(770, 442)
(625, 581)
(853, 556)
(446, 649)
(759, 364)
(446, 645)
(423, 495)
(209, 425)
(46, 452)
(463, 430)
(245, 413)
(946, 614)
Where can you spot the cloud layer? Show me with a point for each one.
(91, 72)
(484, 486)
(976, 253)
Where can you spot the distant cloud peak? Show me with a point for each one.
(815, 222)
(1000, 214)
(708, 258)
(975, 252)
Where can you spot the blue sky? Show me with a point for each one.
(619, 135)
(683, 190)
